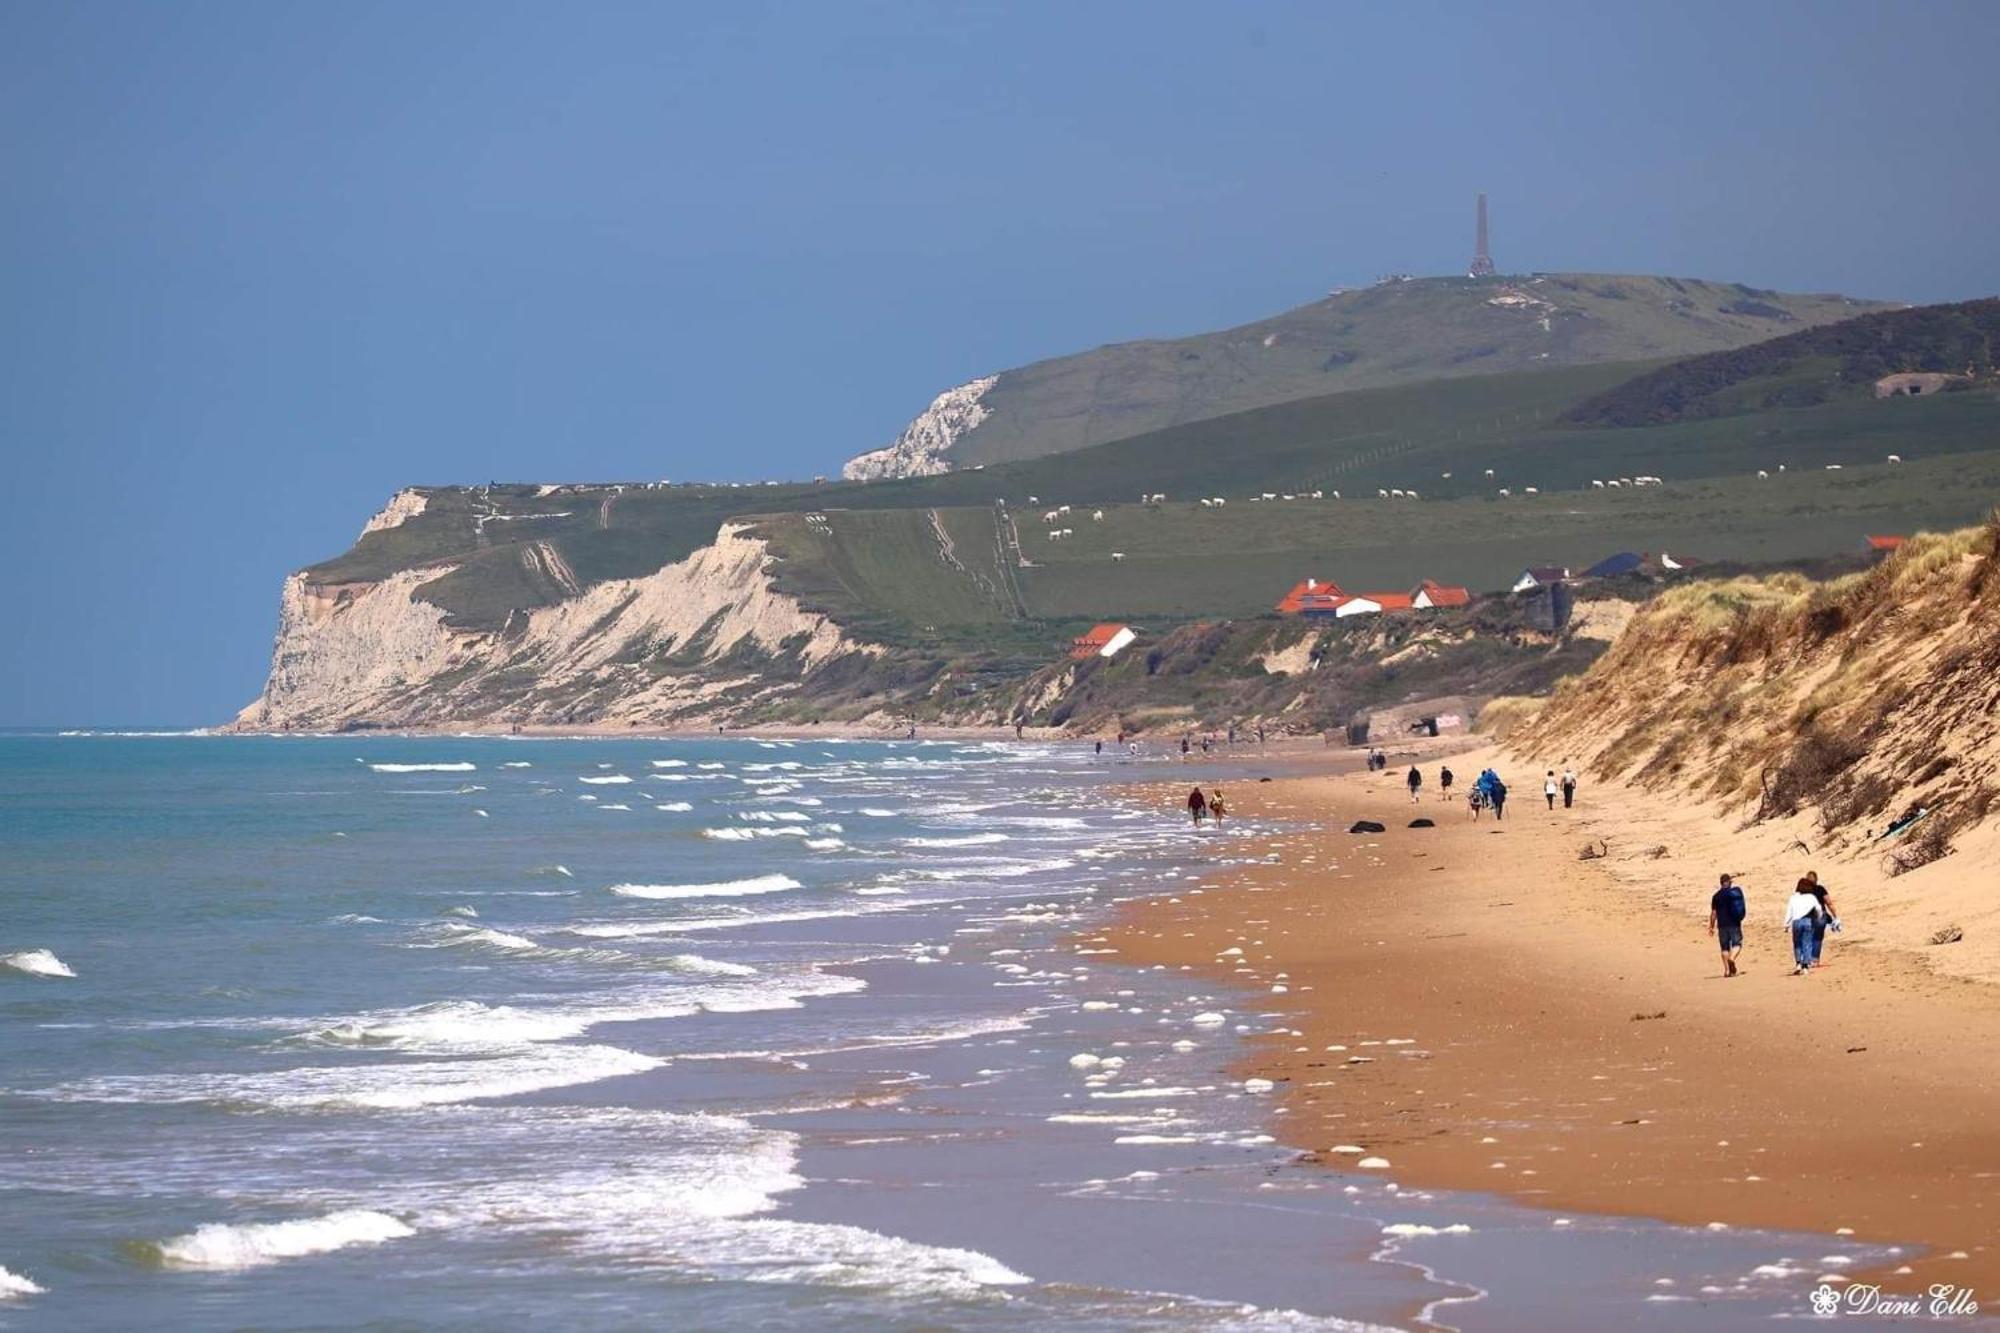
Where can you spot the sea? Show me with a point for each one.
(481, 1032)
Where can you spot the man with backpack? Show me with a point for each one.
(1726, 911)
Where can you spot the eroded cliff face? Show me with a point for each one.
(920, 451)
(703, 637)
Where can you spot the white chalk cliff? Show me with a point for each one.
(920, 450)
(647, 650)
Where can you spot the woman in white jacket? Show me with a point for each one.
(1801, 911)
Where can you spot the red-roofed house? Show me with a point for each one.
(1316, 592)
(1370, 603)
(1884, 545)
(1106, 640)
(1431, 593)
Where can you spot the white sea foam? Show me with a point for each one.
(219, 1245)
(969, 840)
(397, 1086)
(1423, 1229)
(36, 963)
(746, 834)
(775, 816)
(517, 763)
(669, 763)
(423, 768)
(13, 1285)
(608, 780)
(734, 888)
(483, 937)
(674, 807)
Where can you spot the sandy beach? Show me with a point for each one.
(1486, 1011)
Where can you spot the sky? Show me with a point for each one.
(263, 264)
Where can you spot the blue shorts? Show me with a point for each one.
(1730, 935)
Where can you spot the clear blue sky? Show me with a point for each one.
(262, 264)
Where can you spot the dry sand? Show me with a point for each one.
(1488, 1012)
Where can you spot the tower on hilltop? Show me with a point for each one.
(1482, 262)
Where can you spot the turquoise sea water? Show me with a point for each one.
(320, 1032)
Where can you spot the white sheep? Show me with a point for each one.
(1034, 499)
(1381, 494)
(1445, 475)
(1411, 495)
(1117, 555)
(1762, 473)
(1781, 467)
(1268, 495)
(1395, 493)
(1489, 472)
(1895, 458)
(1062, 509)
(1624, 481)
(1833, 467)
(1097, 516)
(1289, 497)
(1066, 533)
(1050, 516)
(1336, 495)
(1597, 485)
(1220, 502)
(1530, 490)
(1055, 534)
(1505, 492)
(1208, 504)
(1319, 495)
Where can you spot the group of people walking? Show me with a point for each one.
(1488, 791)
(1809, 918)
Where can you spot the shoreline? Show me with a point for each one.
(1493, 1015)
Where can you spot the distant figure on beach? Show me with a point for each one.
(1475, 800)
(1216, 807)
(1801, 916)
(1569, 786)
(1100, 745)
(1726, 910)
(1826, 920)
(1416, 781)
(1184, 749)
(1017, 730)
(1197, 805)
(1496, 796)
(1549, 788)
(1444, 783)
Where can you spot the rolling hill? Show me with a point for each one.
(1397, 332)
(653, 603)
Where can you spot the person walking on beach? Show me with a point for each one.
(1549, 788)
(1497, 794)
(1216, 807)
(1726, 910)
(1569, 786)
(1100, 745)
(1826, 920)
(1184, 750)
(1197, 805)
(1416, 781)
(1800, 911)
(1444, 783)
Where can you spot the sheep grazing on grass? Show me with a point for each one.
(1504, 492)
(1833, 467)
(1051, 516)
(1395, 494)
(1066, 533)
(1445, 475)
(1220, 502)
(1381, 494)
(1319, 495)
(1034, 499)
(1489, 472)
(1336, 495)
(1208, 504)
(1597, 485)
(1097, 516)
(1411, 495)
(1762, 473)
(1895, 458)
(1530, 490)
(1117, 555)
(1781, 467)
(1289, 497)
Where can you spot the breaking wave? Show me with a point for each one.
(222, 1246)
(36, 963)
(423, 768)
(734, 888)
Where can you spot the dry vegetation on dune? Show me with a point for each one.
(1858, 701)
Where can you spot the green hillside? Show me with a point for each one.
(1836, 361)
(1396, 332)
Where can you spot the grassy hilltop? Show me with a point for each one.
(1394, 333)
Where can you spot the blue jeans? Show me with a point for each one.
(1802, 943)
(1818, 938)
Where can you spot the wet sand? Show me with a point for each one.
(1488, 1012)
